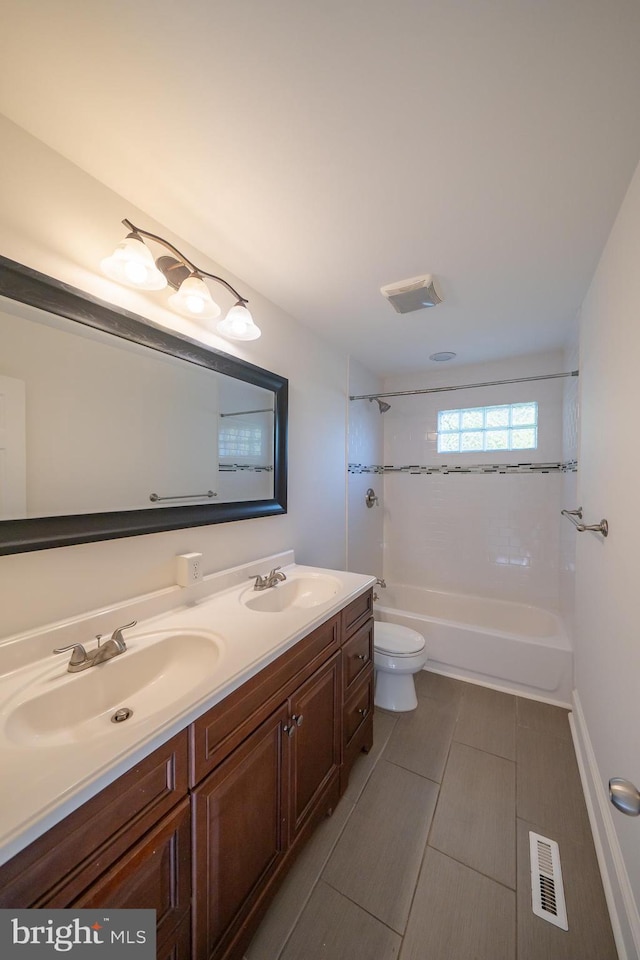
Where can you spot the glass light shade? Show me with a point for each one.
(193, 300)
(132, 264)
(238, 324)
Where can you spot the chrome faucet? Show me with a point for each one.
(81, 660)
(270, 580)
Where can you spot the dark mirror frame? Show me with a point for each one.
(25, 285)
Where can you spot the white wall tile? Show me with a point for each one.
(365, 446)
(494, 535)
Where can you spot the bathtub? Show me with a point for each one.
(513, 646)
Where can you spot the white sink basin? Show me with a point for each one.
(301, 592)
(155, 671)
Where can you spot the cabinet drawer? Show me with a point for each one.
(154, 875)
(86, 843)
(219, 731)
(356, 613)
(357, 654)
(358, 707)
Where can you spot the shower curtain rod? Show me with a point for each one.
(462, 386)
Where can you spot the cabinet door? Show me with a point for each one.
(315, 730)
(155, 874)
(240, 834)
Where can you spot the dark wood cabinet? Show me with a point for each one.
(63, 863)
(251, 811)
(240, 834)
(315, 740)
(204, 828)
(358, 681)
(155, 874)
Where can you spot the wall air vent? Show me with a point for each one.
(547, 892)
(409, 295)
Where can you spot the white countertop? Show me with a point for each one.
(47, 776)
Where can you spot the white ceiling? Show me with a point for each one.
(319, 149)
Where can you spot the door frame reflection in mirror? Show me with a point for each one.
(25, 285)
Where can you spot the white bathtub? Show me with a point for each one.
(509, 645)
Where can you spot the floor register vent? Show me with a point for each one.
(546, 881)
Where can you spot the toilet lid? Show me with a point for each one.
(396, 640)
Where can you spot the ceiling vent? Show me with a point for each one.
(409, 295)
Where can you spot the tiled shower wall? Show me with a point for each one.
(495, 534)
(570, 451)
(364, 527)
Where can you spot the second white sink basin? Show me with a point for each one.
(154, 671)
(302, 592)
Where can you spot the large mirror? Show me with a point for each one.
(111, 426)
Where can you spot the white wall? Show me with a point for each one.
(366, 427)
(494, 535)
(55, 218)
(607, 632)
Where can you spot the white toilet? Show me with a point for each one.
(398, 653)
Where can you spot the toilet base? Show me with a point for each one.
(395, 691)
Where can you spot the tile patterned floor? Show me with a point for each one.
(427, 855)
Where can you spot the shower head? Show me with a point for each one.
(383, 407)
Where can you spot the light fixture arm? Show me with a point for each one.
(194, 269)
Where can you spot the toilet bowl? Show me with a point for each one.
(398, 653)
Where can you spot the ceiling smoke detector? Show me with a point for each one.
(409, 295)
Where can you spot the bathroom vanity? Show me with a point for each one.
(204, 826)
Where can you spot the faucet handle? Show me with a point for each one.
(117, 637)
(78, 656)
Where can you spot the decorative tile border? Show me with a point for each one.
(569, 466)
(249, 467)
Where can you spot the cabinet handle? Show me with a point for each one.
(289, 729)
(364, 712)
(297, 719)
(361, 656)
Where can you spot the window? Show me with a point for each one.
(241, 440)
(480, 429)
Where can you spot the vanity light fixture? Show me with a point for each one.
(132, 264)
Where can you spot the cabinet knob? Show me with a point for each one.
(289, 729)
(364, 712)
(297, 719)
(360, 656)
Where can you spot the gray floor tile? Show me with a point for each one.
(543, 717)
(488, 721)
(549, 791)
(457, 914)
(383, 724)
(421, 739)
(334, 928)
(294, 893)
(436, 686)
(475, 818)
(589, 936)
(377, 859)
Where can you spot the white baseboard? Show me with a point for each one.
(623, 909)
